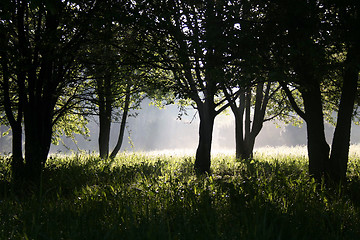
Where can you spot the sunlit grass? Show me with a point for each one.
(159, 196)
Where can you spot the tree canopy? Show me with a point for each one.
(59, 57)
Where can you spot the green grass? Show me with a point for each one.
(160, 197)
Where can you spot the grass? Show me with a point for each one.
(140, 196)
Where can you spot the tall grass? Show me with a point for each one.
(139, 196)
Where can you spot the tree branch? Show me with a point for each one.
(292, 101)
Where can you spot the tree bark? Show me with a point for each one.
(122, 125)
(341, 140)
(17, 164)
(203, 152)
(38, 133)
(245, 143)
(318, 148)
(105, 111)
(238, 112)
(104, 135)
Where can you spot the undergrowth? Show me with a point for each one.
(159, 197)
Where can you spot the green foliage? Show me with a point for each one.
(69, 125)
(159, 197)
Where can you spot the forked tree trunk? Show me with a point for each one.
(243, 139)
(203, 152)
(245, 142)
(17, 163)
(242, 148)
(341, 141)
(318, 148)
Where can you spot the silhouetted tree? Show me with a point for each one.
(318, 45)
(40, 41)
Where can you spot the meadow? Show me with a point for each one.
(158, 196)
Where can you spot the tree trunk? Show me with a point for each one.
(242, 150)
(203, 152)
(245, 144)
(38, 133)
(244, 147)
(341, 141)
(105, 111)
(122, 126)
(17, 163)
(318, 148)
(104, 135)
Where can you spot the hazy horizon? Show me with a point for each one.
(156, 129)
(160, 130)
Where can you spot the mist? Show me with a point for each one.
(155, 129)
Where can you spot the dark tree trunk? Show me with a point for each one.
(122, 126)
(104, 135)
(341, 141)
(242, 148)
(38, 132)
(17, 164)
(318, 148)
(245, 143)
(105, 111)
(203, 152)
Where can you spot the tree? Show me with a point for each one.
(254, 106)
(108, 89)
(192, 41)
(39, 42)
(120, 81)
(251, 93)
(313, 35)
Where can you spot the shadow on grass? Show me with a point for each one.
(162, 198)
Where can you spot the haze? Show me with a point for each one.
(160, 130)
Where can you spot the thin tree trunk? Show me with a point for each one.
(122, 125)
(17, 163)
(341, 139)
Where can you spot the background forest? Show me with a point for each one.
(65, 63)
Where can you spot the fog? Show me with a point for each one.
(156, 129)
